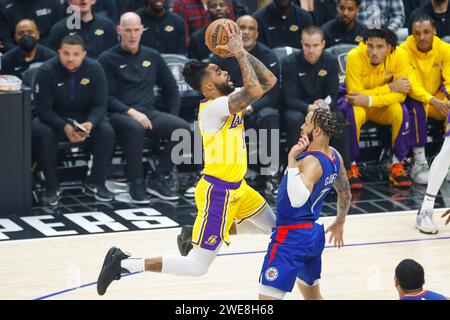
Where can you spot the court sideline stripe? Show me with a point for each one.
(253, 252)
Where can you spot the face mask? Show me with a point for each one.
(27, 43)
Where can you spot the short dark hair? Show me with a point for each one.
(73, 40)
(384, 33)
(193, 73)
(422, 17)
(410, 275)
(310, 30)
(326, 120)
(358, 2)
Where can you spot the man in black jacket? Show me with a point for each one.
(29, 51)
(345, 28)
(44, 13)
(133, 71)
(97, 32)
(263, 114)
(163, 29)
(439, 10)
(281, 23)
(309, 77)
(68, 89)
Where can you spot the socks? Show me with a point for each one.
(395, 160)
(133, 264)
(419, 155)
(428, 203)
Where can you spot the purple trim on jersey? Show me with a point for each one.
(418, 125)
(213, 233)
(222, 183)
(447, 129)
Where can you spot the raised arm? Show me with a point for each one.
(252, 90)
(266, 78)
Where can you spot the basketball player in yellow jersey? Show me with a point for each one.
(222, 195)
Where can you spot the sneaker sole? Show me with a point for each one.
(126, 198)
(401, 184)
(157, 194)
(425, 232)
(106, 261)
(96, 196)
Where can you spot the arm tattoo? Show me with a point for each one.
(342, 188)
(243, 98)
(266, 78)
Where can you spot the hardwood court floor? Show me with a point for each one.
(363, 269)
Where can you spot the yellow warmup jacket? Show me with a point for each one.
(430, 69)
(362, 77)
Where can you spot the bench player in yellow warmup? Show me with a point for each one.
(222, 195)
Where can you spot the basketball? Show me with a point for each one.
(216, 35)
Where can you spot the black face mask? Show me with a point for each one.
(27, 43)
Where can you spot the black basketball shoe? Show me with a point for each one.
(111, 269)
(184, 240)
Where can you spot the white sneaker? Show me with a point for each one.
(425, 223)
(190, 193)
(448, 175)
(419, 173)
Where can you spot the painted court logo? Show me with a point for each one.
(271, 274)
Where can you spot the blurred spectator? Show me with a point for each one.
(262, 114)
(163, 29)
(309, 78)
(107, 9)
(378, 79)
(240, 8)
(377, 13)
(130, 5)
(133, 71)
(440, 12)
(409, 281)
(97, 32)
(29, 51)
(195, 15)
(45, 13)
(430, 58)
(104, 8)
(321, 11)
(410, 6)
(72, 87)
(344, 28)
(281, 23)
(197, 49)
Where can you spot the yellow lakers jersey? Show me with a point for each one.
(224, 146)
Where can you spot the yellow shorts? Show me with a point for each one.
(219, 203)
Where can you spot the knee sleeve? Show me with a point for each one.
(195, 264)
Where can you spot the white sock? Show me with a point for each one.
(395, 159)
(419, 155)
(428, 203)
(133, 264)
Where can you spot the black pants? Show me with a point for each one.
(295, 119)
(45, 139)
(268, 119)
(132, 135)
